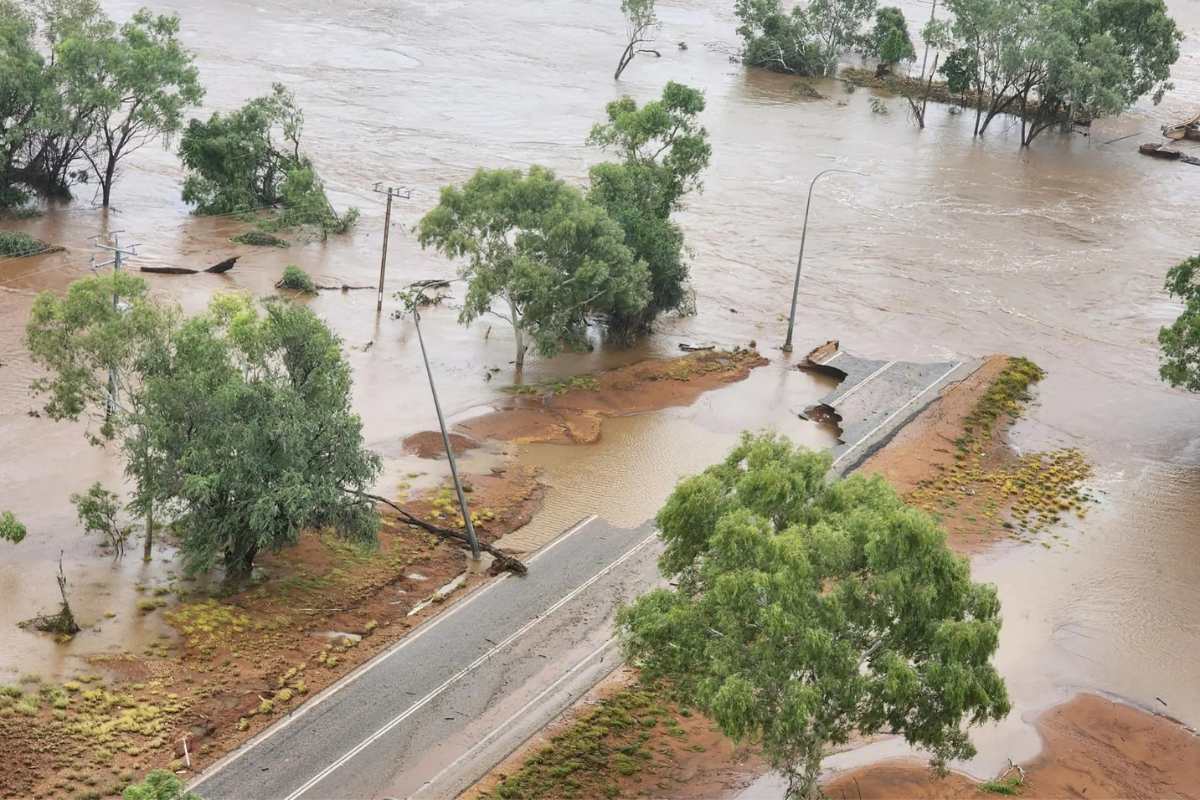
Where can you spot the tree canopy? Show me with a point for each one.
(80, 94)
(253, 413)
(807, 40)
(663, 150)
(641, 26)
(11, 528)
(900, 47)
(1058, 61)
(1180, 341)
(236, 420)
(535, 244)
(808, 610)
(250, 159)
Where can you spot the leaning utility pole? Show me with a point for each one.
(119, 253)
(462, 498)
(925, 58)
(391, 192)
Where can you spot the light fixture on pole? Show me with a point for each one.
(787, 345)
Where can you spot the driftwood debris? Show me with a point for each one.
(506, 561)
(63, 623)
(691, 348)
(216, 269)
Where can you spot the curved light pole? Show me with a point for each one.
(787, 345)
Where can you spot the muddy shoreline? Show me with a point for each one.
(1087, 741)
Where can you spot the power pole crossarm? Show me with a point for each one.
(391, 192)
(119, 254)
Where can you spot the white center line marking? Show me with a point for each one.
(485, 740)
(924, 392)
(345, 681)
(860, 384)
(427, 699)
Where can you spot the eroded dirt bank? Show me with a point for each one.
(1093, 748)
(570, 411)
(955, 462)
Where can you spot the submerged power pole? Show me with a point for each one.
(119, 254)
(925, 58)
(391, 192)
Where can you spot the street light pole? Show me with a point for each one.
(787, 345)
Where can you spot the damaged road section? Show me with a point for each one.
(875, 399)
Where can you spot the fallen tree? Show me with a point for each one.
(506, 561)
(63, 623)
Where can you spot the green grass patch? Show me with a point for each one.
(1004, 398)
(586, 383)
(1009, 787)
(260, 239)
(15, 244)
(585, 759)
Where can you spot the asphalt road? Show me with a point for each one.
(434, 713)
(460, 692)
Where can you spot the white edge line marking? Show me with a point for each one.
(350, 677)
(462, 673)
(924, 392)
(860, 384)
(486, 739)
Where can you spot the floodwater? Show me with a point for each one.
(951, 247)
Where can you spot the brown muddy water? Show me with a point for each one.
(952, 247)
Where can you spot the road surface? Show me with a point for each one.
(518, 650)
(433, 714)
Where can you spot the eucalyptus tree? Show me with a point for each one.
(806, 611)
(532, 244)
(663, 148)
(641, 27)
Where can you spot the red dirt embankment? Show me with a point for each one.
(570, 411)
(1094, 749)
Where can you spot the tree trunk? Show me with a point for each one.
(146, 550)
(107, 181)
(239, 563)
(626, 57)
(978, 107)
(518, 332)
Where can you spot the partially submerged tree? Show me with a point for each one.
(1180, 341)
(888, 19)
(77, 33)
(97, 511)
(807, 611)
(1060, 61)
(23, 86)
(250, 159)
(238, 161)
(144, 80)
(78, 338)
(237, 420)
(11, 528)
(805, 40)
(663, 149)
(641, 27)
(267, 382)
(536, 245)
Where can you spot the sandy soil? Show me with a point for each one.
(238, 661)
(1094, 748)
(571, 411)
(429, 444)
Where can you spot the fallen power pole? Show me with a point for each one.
(403, 194)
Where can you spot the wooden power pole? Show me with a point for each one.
(391, 192)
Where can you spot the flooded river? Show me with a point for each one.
(951, 247)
